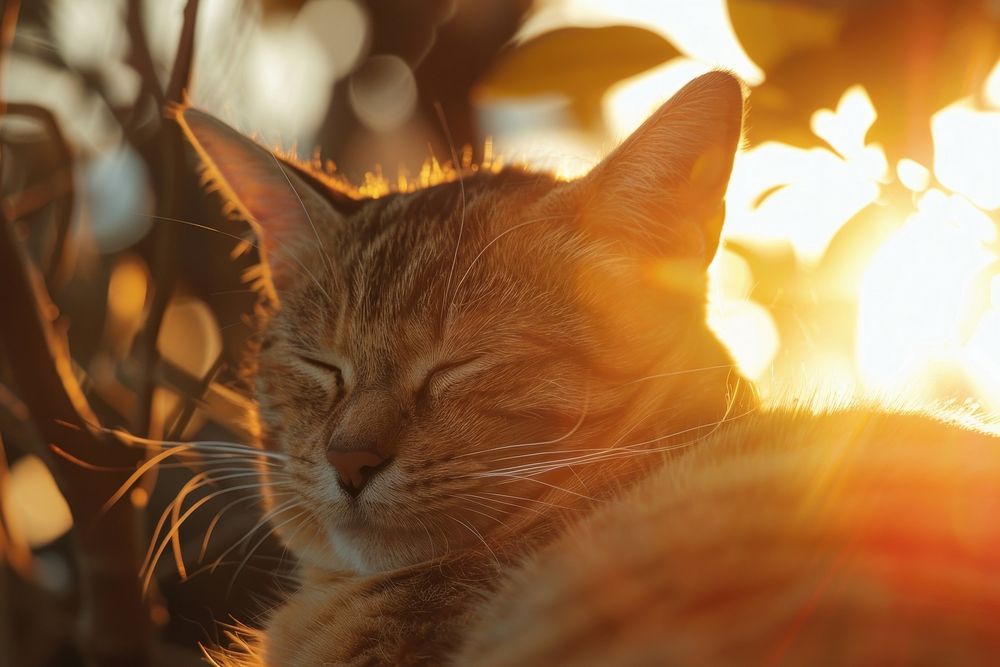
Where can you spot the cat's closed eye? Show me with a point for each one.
(440, 375)
(325, 366)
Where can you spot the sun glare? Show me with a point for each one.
(913, 175)
(918, 297)
(918, 311)
(967, 152)
(922, 331)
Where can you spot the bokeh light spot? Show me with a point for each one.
(383, 93)
(33, 505)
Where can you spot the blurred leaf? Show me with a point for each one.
(579, 63)
(774, 268)
(771, 31)
(913, 58)
(856, 242)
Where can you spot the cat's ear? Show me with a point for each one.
(285, 210)
(661, 191)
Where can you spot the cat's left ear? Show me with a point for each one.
(661, 191)
(285, 208)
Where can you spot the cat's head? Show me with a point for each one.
(445, 362)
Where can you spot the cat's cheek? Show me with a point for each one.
(269, 442)
(273, 364)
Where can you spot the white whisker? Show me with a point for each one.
(494, 240)
(149, 564)
(554, 487)
(447, 298)
(218, 517)
(295, 517)
(275, 511)
(686, 371)
(568, 434)
(634, 449)
(479, 535)
(322, 247)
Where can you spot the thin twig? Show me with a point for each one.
(191, 401)
(139, 55)
(180, 76)
(163, 265)
(63, 201)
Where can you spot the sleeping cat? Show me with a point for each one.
(504, 434)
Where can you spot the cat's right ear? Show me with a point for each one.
(270, 194)
(660, 193)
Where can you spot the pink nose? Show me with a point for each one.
(355, 467)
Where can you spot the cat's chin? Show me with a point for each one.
(360, 546)
(366, 551)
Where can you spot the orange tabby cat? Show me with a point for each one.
(470, 391)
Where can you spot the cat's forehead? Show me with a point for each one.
(405, 253)
(410, 270)
(447, 215)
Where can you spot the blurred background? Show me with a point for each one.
(860, 257)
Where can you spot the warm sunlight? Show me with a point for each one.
(967, 152)
(781, 193)
(919, 298)
(454, 332)
(33, 507)
(702, 30)
(918, 280)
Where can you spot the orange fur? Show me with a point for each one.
(543, 348)
(789, 538)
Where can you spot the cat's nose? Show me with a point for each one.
(355, 467)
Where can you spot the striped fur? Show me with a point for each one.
(848, 538)
(569, 321)
(546, 346)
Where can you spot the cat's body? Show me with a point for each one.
(856, 537)
(465, 386)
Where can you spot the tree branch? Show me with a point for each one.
(180, 76)
(139, 56)
(168, 195)
(64, 184)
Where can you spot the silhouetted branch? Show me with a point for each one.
(139, 56)
(8, 21)
(180, 76)
(163, 265)
(61, 195)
